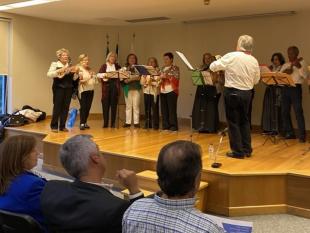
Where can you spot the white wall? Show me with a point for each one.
(35, 42)
(271, 34)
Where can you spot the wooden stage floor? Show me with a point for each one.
(276, 179)
(145, 144)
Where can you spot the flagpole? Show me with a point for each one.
(108, 45)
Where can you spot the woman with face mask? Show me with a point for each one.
(62, 74)
(205, 112)
(20, 188)
(272, 122)
(132, 87)
(110, 89)
(87, 80)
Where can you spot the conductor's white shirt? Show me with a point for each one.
(298, 75)
(241, 70)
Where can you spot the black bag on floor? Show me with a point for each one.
(16, 120)
(40, 118)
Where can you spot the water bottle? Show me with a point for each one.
(72, 118)
(211, 152)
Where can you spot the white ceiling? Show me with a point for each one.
(115, 12)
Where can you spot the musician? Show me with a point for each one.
(241, 74)
(62, 73)
(110, 89)
(87, 80)
(132, 87)
(298, 69)
(272, 122)
(169, 93)
(151, 90)
(205, 110)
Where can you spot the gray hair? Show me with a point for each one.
(245, 43)
(75, 152)
(109, 55)
(59, 52)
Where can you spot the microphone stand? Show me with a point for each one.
(215, 164)
(149, 105)
(204, 105)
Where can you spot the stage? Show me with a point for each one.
(276, 179)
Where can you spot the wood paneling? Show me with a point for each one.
(276, 179)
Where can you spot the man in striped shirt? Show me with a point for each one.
(173, 209)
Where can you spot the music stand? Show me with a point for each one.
(275, 80)
(117, 74)
(146, 70)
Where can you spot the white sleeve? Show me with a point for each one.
(220, 64)
(52, 72)
(101, 75)
(284, 67)
(303, 71)
(256, 74)
(76, 76)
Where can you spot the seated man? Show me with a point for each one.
(85, 205)
(173, 209)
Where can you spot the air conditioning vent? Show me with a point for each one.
(147, 19)
(278, 13)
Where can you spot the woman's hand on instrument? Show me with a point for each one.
(72, 69)
(288, 70)
(61, 70)
(163, 75)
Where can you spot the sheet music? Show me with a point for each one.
(207, 78)
(232, 226)
(146, 70)
(184, 59)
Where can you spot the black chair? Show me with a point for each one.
(18, 223)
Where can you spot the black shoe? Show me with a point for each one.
(289, 136)
(82, 127)
(165, 128)
(136, 126)
(173, 129)
(147, 126)
(64, 130)
(86, 126)
(249, 155)
(54, 130)
(234, 155)
(156, 128)
(203, 131)
(126, 125)
(104, 126)
(302, 140)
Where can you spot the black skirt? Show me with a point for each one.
(272, 114)
(205, 115)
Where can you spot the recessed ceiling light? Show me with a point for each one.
(206, 2)
(25, 4)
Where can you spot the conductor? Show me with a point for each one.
(241, 74)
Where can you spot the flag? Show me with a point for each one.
(116, 49)
(108, 45)
(132, 46)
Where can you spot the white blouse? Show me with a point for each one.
(52, 72)
(90, 79)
